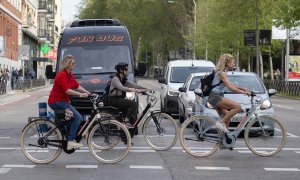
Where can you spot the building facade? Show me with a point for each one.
(10, 33)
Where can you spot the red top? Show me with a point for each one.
(62, 83)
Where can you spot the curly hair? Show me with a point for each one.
(66, 61)
(223, 60)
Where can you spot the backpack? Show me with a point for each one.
(206, 83)
(107, 91)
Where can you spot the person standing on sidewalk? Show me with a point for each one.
(65, 85)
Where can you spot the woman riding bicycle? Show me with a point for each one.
(117, 93)
(63, 87)
(225, 107)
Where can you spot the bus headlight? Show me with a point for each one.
(130, 95)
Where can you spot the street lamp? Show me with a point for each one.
(172, 2)
(195, 24)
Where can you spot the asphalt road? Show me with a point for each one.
(143, 162)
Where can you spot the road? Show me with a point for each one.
(143, 162)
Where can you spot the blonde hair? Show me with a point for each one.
(66, 61)
(223, 60)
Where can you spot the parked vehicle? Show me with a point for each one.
(97, 45)
(186, 95)
(176, 73)
(244, 79)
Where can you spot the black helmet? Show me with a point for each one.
(120, 65)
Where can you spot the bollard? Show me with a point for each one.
(43, 114)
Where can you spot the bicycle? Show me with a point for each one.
(199, 137)
(160, 130)
(108, 140)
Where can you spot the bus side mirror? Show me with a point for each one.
(141, 71)
(49, 72)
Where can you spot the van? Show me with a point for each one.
(97, 45)
(176, 73)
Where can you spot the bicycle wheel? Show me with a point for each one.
(109, 142)
(163, 135)
(265, 136)
(199, 137)
(37, 141)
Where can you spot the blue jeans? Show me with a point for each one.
(75, 120)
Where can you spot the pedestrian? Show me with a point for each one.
(14, 77)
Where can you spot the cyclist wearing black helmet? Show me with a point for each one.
(117, 93)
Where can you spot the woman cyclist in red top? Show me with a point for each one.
(63, 87)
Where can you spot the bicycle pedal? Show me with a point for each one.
(231, 149)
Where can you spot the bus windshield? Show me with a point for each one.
(97, 59)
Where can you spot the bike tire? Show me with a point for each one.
(265, 139)
(34, 144)
(195, 133)
(163, 136)
(112, 144)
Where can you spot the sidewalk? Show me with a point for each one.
(14, 95)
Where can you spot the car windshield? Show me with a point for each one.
(179, 74)
(253, 83)
(97, 59)
(195, 83)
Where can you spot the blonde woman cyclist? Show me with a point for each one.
(225, 107)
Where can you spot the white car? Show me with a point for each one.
(248, 80)
(176, 73)
(186, 95)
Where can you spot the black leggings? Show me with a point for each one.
(125, 105)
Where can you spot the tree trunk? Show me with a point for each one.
(261, 65)
(271, 64)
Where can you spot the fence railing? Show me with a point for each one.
(29, 83)
(288, 88)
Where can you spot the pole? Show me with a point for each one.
(195, 28)
(257, 40)
(287, 54)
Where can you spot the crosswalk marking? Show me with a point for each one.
(145, 167)
(282, 169)
(82, 166)
(17, 166)
(4, 170)
(212, 168)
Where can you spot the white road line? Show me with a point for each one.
(283, 106)
(298, 152)
(4, 137)
(244, 152)
(292, 135)
(15, 100)
(145, 167)
(82, 166)
(142, 151)
(212, 168)
(17, 166)
(4, 170)
(282, 169)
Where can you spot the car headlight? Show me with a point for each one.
(173, 93)
(130, 95)
(209, 106)
(266, 104)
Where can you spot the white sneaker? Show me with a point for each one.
(74, 145)
(221, 126)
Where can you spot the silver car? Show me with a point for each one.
(186, 95)
(248, 80)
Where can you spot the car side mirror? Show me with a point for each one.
(49, 72)
(162, 80)
(182, 89)
(271, 92)
(198, 92)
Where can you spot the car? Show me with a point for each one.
(243, 79)
(186, 95)
(176, 73)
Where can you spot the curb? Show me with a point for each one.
(294, 98)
